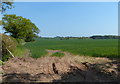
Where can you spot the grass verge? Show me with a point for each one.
(58, 54)
(1, 62)
(21, 51)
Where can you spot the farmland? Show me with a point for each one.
(83, 47)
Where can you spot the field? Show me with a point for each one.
(84, 47)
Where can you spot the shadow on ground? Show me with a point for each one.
(108, 72)
(54, 69)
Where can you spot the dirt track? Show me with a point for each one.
(68, 68)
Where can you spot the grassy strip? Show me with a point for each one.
(58, 54)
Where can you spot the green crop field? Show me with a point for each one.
(84, 47)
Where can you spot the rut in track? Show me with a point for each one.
(52, 69)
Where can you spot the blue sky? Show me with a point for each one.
(70, 18)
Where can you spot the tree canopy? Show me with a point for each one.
(6, 5)
(19, 27)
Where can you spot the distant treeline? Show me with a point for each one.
(66, 38)
(105, 37)
(91, 37)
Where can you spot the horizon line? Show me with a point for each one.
(82, 36)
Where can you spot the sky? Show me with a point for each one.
(70, 18)
(65, 0)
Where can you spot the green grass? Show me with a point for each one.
(1, 62)
(84, 47)
(58, 54)
(20, 51)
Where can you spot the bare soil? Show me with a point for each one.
(70, 68)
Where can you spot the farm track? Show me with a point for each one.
(69, 68)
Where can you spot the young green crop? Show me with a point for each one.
(84, 47)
